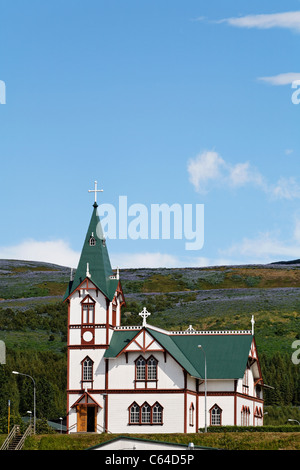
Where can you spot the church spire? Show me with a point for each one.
(94, 261)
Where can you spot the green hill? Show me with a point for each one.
(206, 298)
(33, 320)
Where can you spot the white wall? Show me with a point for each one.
(173, 416)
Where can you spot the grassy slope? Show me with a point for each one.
(229, 441)
(207, 298)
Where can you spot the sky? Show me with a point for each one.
(192, 103)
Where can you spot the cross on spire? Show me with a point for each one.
(95, 191)
(144, 314)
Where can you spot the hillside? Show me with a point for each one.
(207, 298)
(33, 322)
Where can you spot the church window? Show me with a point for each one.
(151, 368)
(246, 382)
(88, 311)
(140, 369)
(134, 414)
(146, 369)
(258, 416)
(146, 414)
(157, 414)
(245, 416)
(191, 415)
(215, 415)
(87, 369)
(92, 240)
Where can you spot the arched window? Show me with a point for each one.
(151, 368)
(157, 413)
(246, 381)
(191, 415)
(215, 415)
(140, 368)
(87, 369)
(146, 414)
(92, 240)
(146, 369)
(88, 310)
(134, 414)
(245, 416)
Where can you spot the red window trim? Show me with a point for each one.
(210, 414)
(88, 301)
(141, 423)
(82, 370)
(146, 379)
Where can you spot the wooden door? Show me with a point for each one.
(81, 418)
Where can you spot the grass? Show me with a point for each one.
(37, 340)
(226, 440)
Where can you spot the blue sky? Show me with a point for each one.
(186, 102)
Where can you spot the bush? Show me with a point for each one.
(221, 429)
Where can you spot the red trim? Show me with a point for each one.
(140, 407)
(146, 380)
(210, 414)
(90, 310)
(197, 409)
(107, 320)
(82, 371)
(185, 400)
(86, 396)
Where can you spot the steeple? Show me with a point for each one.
(94, 261)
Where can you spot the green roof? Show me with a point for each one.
(118, 341)
(226, 354)
(96, 256)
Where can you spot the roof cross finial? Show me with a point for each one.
(144, 314)
(95, 191)
(252, 321)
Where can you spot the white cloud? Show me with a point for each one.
(281, 79)
(287, 20)
(210, 169)
(144, 260)
(59, 252)
(207, 166)
(286, 188)
(55, 251)
(266, 247)
(242, 174)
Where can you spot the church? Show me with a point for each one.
(144, 379)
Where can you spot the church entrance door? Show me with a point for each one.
(91, 414)
(86, 418)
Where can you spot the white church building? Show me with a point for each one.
(143, 379)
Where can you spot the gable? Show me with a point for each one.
(150, 340)
(143, 342)
(226, 354)
(85, 400)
